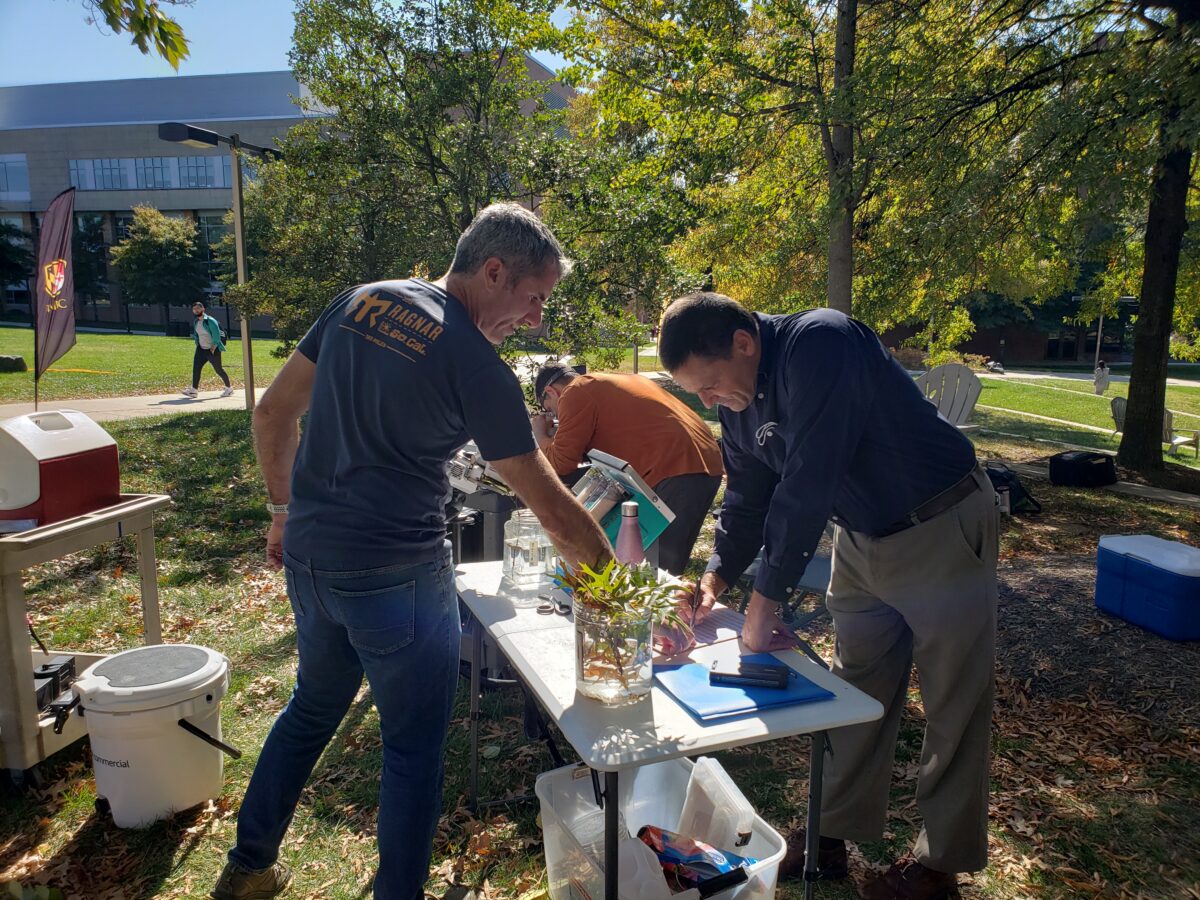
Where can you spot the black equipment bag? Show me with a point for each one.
(1019, 499)
(1082, 468)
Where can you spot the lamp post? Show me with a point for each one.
(191, 136)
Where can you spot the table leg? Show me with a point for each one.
(18, 703)
(611, 837)
(812, 839)
(148, 572)
(476, 664)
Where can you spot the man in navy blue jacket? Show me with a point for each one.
(819, 423)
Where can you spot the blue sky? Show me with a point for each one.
(50, 41)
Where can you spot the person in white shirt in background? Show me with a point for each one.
(206, 333)
(1101, 377)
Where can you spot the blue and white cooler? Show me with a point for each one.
(1150, 582)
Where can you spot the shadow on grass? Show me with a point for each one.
(97, 856)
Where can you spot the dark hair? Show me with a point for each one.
(199, 303)
(701, 324)
(515, 236)
(549, 374)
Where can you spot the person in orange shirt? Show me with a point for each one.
(634, 419)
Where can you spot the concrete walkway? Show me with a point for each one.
(113, 409)
(1085, 377)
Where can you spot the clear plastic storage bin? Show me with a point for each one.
(649, 795)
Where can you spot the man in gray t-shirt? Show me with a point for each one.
(395, 377)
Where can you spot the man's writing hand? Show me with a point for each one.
(707, 591)
(763, 630)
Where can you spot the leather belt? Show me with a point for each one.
(948, 498)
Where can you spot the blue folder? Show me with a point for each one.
(688, 683)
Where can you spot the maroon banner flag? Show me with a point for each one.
(55, 320)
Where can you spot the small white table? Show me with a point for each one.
(26, 738)
(541, 648)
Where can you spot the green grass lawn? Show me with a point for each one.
(118, 365)
(1188, 371)
(1074, 406)
(215, 593)
(1183, 401)
(646, 363)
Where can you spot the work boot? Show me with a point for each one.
(832, 861)
(907, 879)
(237, 883)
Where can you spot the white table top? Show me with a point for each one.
(610, 738)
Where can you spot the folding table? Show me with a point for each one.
(612, 739)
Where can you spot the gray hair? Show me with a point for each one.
(515, 236)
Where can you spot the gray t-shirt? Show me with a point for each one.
(403, 379)
(202, 334)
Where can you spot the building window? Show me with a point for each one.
(211, 229)
(197, 172)
(14, 177)
(109, 174)
(121, 227)
(154, 172)
(145, 173)
(11, 290)
(81, 174)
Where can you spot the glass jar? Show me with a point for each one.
(529, 555)
(613, 656)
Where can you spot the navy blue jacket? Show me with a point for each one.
(837, 430)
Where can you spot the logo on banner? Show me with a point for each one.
(55, 274)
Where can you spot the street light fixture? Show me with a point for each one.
(191, 136)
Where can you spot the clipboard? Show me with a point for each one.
(653, 515)
(688, 684)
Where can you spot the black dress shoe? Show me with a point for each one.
(832, 861)
(907, 879)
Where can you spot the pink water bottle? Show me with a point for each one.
(629, 537)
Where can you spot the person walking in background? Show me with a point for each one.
(206, 333)
(1101, 377)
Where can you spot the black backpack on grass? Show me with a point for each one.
(1082, 468)
(1019, 499)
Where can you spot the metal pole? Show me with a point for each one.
(812, 839)
(239, 246)
(611, 836)
(33, 317)
(476, 627)
(1099, 337)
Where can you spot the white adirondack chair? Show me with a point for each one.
(1173, 439)
(954, 390)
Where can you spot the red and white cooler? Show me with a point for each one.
(55, 465)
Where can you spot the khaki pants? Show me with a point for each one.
(925, 595)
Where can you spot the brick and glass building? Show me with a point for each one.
(102, 138)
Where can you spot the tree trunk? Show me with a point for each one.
(841, 165)
(1141, 444)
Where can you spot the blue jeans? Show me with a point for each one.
(398, 625)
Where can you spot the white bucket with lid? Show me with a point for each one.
(153, 715)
